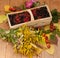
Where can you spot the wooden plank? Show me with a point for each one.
(40, 56)
(58, 50)
(24, 56)
(34, 56)
(2, 49)
(48, 55)
(54, 4)
(10, 52)
(43, 54)
(18, 55)
(2, 4)
(4, 25)
(16, 3)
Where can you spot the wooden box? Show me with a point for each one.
(37, 16)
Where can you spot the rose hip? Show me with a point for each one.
(52, 27)
(17, 20)
(44, 34)
(47, 41)
(12, 9)
(26, 19)
(48, 45)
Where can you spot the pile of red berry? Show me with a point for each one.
(52, 27)
(46, 40)
(40, 13)
(15, 9)
(19, 18)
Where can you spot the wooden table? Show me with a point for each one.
(6, 49)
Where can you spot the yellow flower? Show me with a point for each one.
(27, 52)
(30, 54)
(29, 46)
(15, 50)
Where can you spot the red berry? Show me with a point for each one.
(12, 9)
(27, 14)
(44, 34)
(48, 45)
(47, 41)
(34, 12)
(46, 37)
(17, 16)
(51, 24)
(51, 28)
(26, 19)
(17, 20)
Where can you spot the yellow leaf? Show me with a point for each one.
(30, 55)
(3, 18)
(6, 7)
(15, 50)
(57, 25)
(50, 50)
(43, 43)
(46, 27)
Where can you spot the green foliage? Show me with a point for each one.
(9, 35)
(23, 7)
(36, 4)
(47, 31)
(56, 32)
(55, 15)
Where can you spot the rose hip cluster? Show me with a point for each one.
(52, 27)
(15, 9)
(40, 13)
(46, 40)
(19, 18)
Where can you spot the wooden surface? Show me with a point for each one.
(6, 49)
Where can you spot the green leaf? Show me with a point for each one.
(2, 33)
(13, 40)
(54, 16)
(2, 30)
(23, 7)
(36, 4)
(56, 32)
(47, 31)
